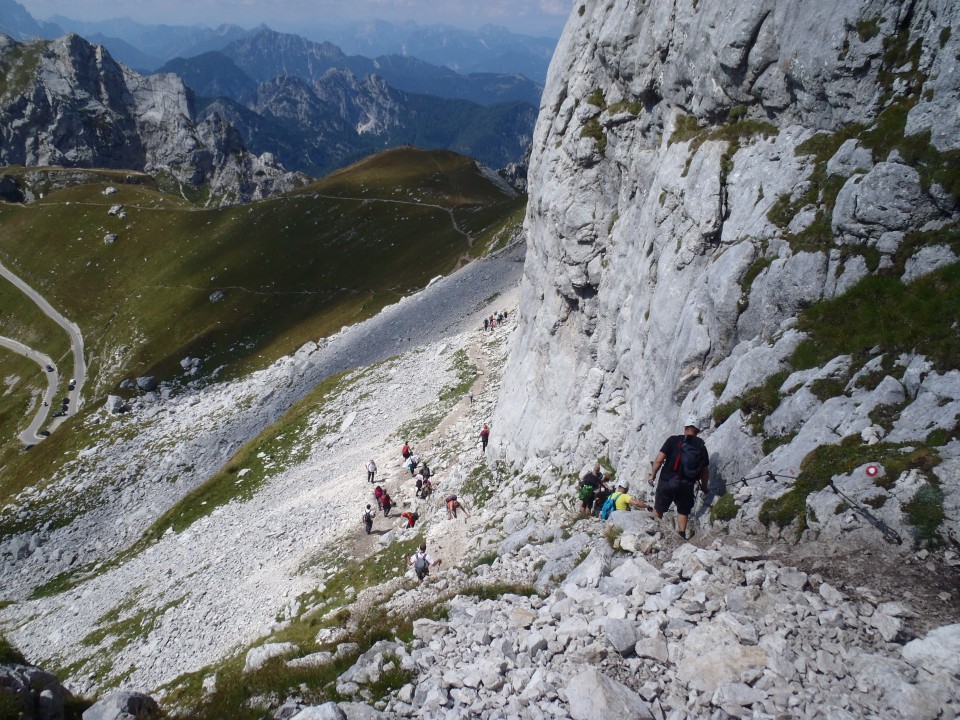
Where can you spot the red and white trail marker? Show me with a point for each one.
(872, 470)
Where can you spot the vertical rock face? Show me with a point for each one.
(679, 218)
(67, 102)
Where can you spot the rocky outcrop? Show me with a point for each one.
(702, 174)
(29, 692)
(69, 103)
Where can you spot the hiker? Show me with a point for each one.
(410, 517)
(622, 501)
(386, 503)
(590, 485)
(368, 519)
(371, 470)
(405, 450)
(421, 562)
(426, 471)
(378, 494)
(419, 483)
(453, 504)
(470, 395)
(426, 489)
(505, 314)
(484, 437)
(686, 463)
(412, 464)
(486, 324)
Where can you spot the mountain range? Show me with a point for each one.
(146, 47)
(312, 107)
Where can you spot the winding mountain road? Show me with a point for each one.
(30, 436)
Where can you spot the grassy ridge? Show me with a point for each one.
(290, 269)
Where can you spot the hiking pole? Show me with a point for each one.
(888, 532)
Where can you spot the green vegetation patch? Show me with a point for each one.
(827, 461)
(724, 509)
(884, 312)
(480, 485)
(9, 653)
(756, 403)
(376, 569)
(735, 132)
(496, 591)
(868, 28)
(925, 513)
(18, 67)
(121, 629)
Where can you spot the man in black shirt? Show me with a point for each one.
(590, 485)
(685, 463)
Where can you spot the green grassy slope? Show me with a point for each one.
(291, 268)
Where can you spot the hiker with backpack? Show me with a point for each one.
(484, 437)
(378, 495)
(371, 470)
(412, 464)
(590, 485)
(405, 450)
(368, 519)
(619, 500)
(421, 561)
(685, 464)
(386, 503)
(426, 489)
(453, 504)
(410, 518)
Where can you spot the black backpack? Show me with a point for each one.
(690, 461)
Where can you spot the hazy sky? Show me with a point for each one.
(541, 17)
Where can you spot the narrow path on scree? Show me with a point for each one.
(451, 547)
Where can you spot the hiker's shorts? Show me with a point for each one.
(680, 493)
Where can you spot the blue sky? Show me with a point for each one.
(538, 17)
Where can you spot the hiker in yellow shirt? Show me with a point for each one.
(624, 501)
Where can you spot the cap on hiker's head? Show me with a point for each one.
(623, 484)
(691, 421)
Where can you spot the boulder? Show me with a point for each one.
(937, 653)
(327, 711)
(594, 696)
(123, 705)
(114, 404)
(147, 383)
(257, 657)
(589, 572)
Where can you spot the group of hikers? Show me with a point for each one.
(684, 465)
(424, 489)
(495, 319)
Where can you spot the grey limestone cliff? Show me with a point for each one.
(701, 174)
(67, 102)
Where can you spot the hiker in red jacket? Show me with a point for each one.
(485, 436)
